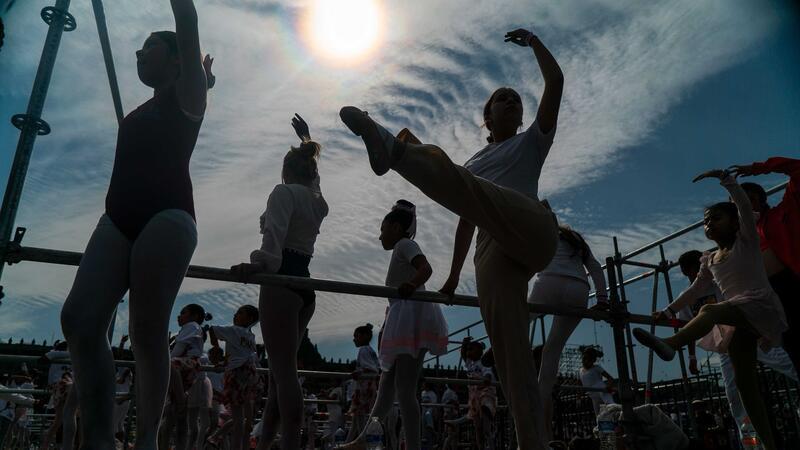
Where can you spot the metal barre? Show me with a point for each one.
(305, 373)
(68, 258)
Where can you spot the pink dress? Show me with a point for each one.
(743, 281)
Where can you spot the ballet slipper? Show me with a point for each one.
(658, 345)
(380, 142)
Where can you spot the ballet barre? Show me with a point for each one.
(19, 253)
(304, 373)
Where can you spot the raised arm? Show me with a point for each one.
(191, 86)
(699, 287)
(464, 233)
(777, 164)
(747, 220)
(212, 336)
(547, 115)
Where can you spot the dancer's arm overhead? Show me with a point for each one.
(191, 86)
(547, 115)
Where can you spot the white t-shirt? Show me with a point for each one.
(477, 371)
(428, 397)
(400, 268)
(57, 370)
(515, 163)
(367, 359)
(593, 377)
(449, 395)
(240, 345)
(189, 341)
(292, 220)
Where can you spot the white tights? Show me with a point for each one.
(152, 268)
(562, 291)
(284, 319)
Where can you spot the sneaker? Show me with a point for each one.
(658, 345)
(378, 140)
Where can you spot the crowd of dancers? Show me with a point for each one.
(144, 242)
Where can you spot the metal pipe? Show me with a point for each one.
(212, 273)
(626, 394)
(108, 58)
(462, 329)
(648, 390)
(454, 349)
(684, 377)
(31, 123)
(640, 264)
(624, 302)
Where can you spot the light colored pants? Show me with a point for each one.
(152, 268)
(517, 237)
(776, 359)
(564, 291)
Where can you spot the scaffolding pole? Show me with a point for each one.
(31, 123)
(108, 58)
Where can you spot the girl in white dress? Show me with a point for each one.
(411, 328)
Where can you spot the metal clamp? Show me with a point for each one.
(20, 120)
(49, 13)
(14, 249)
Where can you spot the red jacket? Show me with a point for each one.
(779, 226)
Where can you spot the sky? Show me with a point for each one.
(654, 93)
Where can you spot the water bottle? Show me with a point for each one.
(374, 435)
(750, 439)
(339, 437)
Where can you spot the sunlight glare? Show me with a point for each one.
(344, 31)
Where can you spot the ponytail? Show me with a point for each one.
(576, 241)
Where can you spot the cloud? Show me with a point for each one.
(626, 64)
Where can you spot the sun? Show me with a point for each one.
(344, 31)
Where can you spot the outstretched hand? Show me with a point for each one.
(449, 287)
(520, 36)
(406, 289)
(301, 128)
(210, 78)
(716, 173)
(243, 270)
(741, 171)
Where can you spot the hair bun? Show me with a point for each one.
(308, 149)
(369, 325)
(209, 316)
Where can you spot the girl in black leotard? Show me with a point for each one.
(289, 226)
(145, 240)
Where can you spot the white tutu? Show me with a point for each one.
(410, 327)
